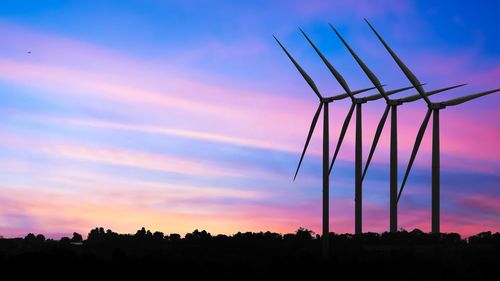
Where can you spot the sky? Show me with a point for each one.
(184, 115)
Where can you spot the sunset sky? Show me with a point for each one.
(183, 115)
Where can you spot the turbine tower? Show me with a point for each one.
(434, 109)
(323, 104)
(391, 105)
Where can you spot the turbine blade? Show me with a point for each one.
(330, 67)
(413, 79)
(364, 90)
(392, 92)
(418, 140)
(463, 99)
(388, 93)
(342, 134)
(380, 127)
(302, 72)
(363, 66)
(345, 95)
(444, 89)
(430, 93)
(309, 135)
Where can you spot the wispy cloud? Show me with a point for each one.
(119, 157)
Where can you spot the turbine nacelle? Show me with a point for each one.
(344, 95)
(436, 106)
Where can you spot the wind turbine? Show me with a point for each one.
(323, 104)
(356, 102)
(391, 105)
(434, 109)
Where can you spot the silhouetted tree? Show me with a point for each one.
(96, 234)
(77, 238)
(304, 234)
(157, 235)
(481, 238)
(141, 233)
(65, 240)
(40, 238)
(289, 237)
(174, 237)
(30, 238)
(198, 236)
(417, 232)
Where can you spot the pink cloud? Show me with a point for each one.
(156, 213)
(483, 202)
(119, 156)
(231, 114)
(42, 215)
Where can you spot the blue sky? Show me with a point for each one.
(177, 115)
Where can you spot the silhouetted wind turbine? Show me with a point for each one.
(356, 102)
(392, 105)
(433, 108)
(323, 104)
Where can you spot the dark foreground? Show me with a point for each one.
(254, 256)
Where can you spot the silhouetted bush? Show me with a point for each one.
(174, 237)
(96, 234)
(158, 235)
(198, 236)
(303, 234)
(30, 238)
(76, 238)
(65, 240)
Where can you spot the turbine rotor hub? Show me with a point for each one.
(327, 100)
(359, 100)
(394, 102)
